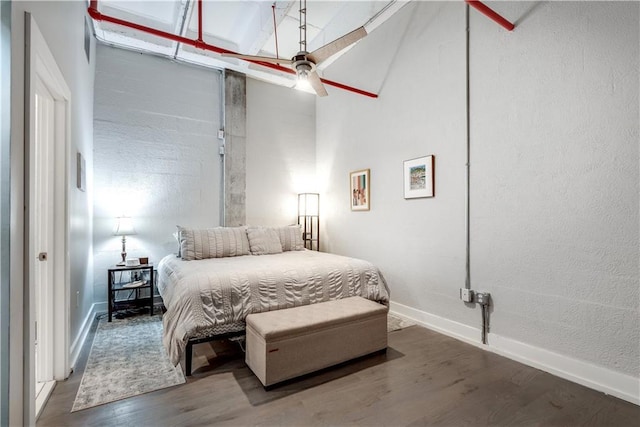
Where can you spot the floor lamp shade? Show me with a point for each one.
(308, 204)
(309, 219)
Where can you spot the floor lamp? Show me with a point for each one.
(309, 219)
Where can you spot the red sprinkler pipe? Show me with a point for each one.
(97, 16)
(200, 21)
(486, 10)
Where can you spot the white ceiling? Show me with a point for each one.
(239, 25)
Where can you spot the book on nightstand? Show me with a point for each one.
(135, 284)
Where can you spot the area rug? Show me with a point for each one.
(395, 323)
(127, 358)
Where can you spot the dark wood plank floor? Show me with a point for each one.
(423, 378)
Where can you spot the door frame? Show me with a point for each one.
(5, 208)
(40, 63)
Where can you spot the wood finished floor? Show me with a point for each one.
(424, 378)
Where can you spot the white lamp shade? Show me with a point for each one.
(124, 227)
(308, 204)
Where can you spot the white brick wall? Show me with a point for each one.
(156, 153)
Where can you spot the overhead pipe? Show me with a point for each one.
(199, 21)
(487, 11)
(200, 44)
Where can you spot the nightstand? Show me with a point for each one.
(131, 279)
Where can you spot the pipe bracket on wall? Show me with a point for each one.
(490, 13)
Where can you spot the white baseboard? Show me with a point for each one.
(448, 327)
(43, 396)
(100, 307)
(617, 384)
(77, 344)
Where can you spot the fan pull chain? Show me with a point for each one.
(275, 28)
(303, 25)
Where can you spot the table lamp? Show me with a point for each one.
(124, 228)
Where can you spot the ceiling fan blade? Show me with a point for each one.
(324, 52)
(258, 58)
(316, 84)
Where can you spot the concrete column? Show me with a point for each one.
(235, 106)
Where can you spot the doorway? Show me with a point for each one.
(5, 201)
(41, 229)
(47, 99)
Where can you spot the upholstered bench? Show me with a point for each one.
(287, 343)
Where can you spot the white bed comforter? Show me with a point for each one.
(215, 292)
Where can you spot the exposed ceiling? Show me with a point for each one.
(239, 25)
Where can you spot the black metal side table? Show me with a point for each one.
(117, 285)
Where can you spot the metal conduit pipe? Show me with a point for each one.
(484, 302)
(467, 192)
(97, 16)
(223, 149)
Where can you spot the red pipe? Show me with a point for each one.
(96, 15)
(486, 10)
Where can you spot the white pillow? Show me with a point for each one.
(263, 241)
(176, 236)
(290, 238)
(213, 242)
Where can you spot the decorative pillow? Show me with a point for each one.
(263, 241)
(213, 242)
(176, 236)
(290, 238)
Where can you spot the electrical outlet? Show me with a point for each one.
(482, 298)
(466, 295)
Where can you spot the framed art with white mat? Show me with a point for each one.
(359, 190)
(419, 177)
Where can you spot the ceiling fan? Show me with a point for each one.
(305, 63)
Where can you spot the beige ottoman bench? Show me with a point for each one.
(284, 344)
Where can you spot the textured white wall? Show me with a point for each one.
(419, 243)
(554, 182)
(555, 178)
(281, 157)
(156, 153)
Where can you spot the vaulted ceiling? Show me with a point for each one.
(241, 26)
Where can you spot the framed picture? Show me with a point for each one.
(359, 190)
(419, 178)
(81, 172)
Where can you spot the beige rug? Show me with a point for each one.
(395, 323)
(127, 358)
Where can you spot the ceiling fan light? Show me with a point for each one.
(303, 84)
(302, 71)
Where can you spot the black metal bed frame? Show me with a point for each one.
(188, 354)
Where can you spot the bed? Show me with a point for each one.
(208, 298)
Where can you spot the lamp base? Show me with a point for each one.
(123, 254)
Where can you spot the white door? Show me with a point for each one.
(42, 193)
(47, 140)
